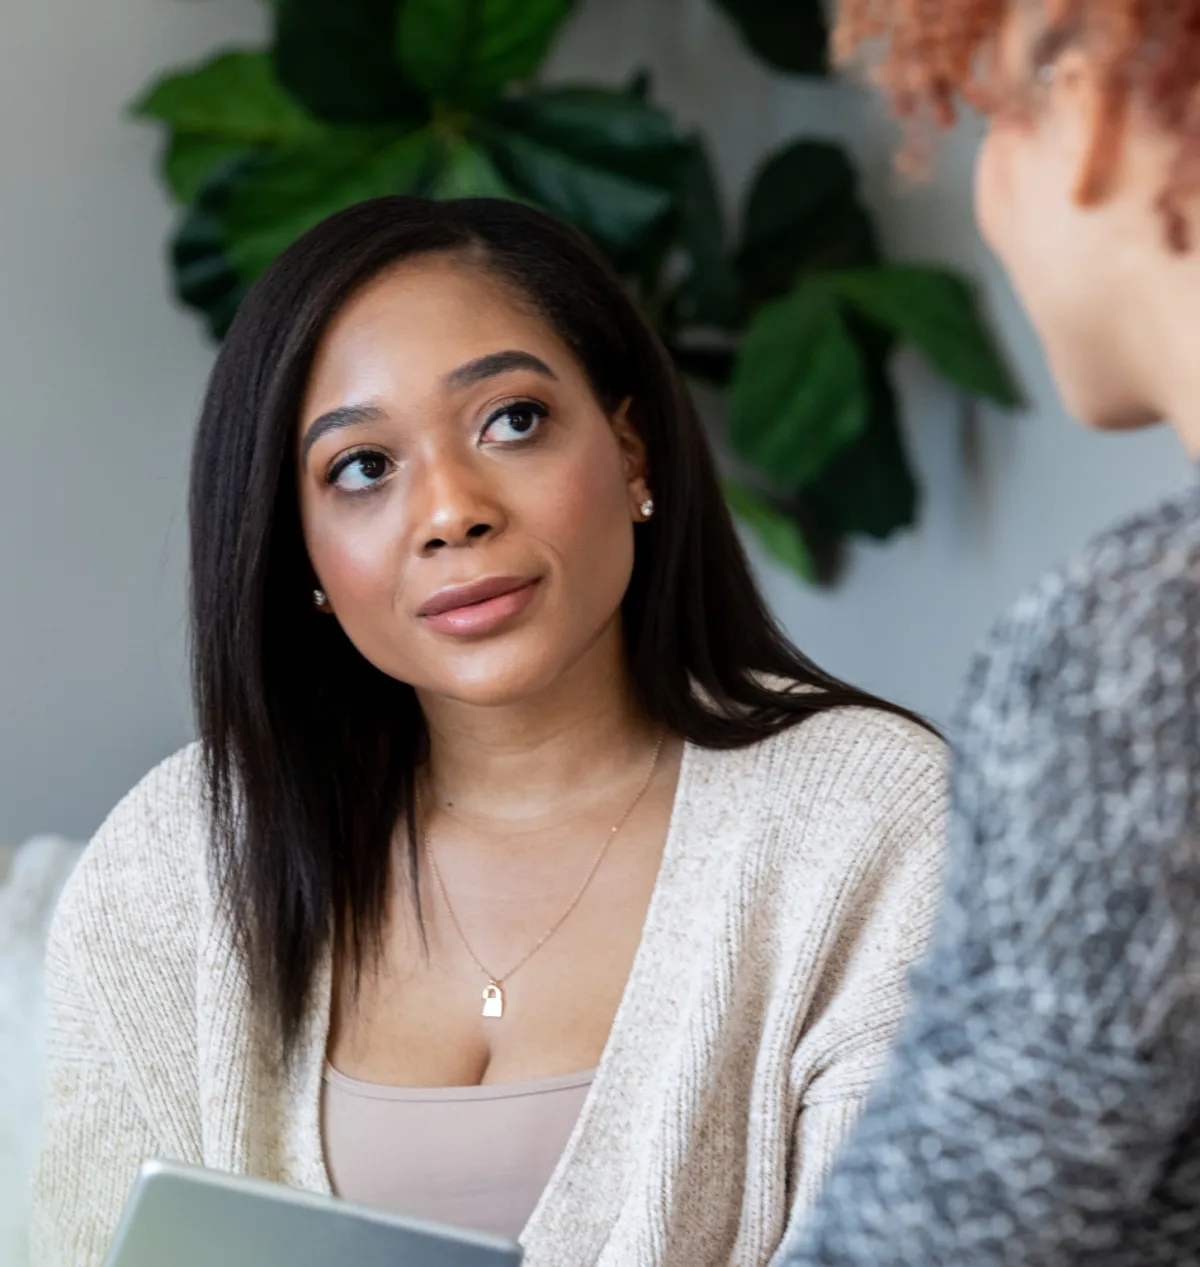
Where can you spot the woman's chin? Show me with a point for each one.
(1099, 413)
(1100, 401)
(495, 677)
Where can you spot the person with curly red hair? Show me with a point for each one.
(1042, 1105)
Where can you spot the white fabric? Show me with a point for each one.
(31, 879)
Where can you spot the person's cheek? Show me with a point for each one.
(583, 501)
(991, 189)
(586, 510)
(356, 558)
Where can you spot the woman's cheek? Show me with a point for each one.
(587, 498)
(988, 188)
(356, 563)
(589, 527)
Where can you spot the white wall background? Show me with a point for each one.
(101, 377)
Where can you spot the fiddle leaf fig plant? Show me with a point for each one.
(788, 306)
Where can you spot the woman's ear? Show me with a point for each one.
(1090, 118)
(633, 452)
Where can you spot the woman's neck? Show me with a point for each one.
(513, 764)
(1162, 333)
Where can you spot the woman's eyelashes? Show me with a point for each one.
(359, 471)
(515, 423)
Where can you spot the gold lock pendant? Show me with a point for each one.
(493, 999)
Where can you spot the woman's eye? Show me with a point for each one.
(359, 471)
(514, 423)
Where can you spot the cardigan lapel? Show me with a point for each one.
(595, 1180)
(263, 1118)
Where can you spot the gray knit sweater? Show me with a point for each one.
(1042, 1107)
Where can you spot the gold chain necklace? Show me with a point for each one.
(493, 992)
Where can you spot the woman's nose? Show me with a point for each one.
(458, 507)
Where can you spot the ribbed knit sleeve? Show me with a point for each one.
(1041, 1106)
(884, 912)
(121, 1028)
(94, 1136)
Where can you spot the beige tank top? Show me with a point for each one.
(474, 1157)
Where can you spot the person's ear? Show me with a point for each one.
(1087, 118)
(633, 458)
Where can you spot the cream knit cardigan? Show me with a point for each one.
(797, 886)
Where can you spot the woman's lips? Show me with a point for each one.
(479, 608)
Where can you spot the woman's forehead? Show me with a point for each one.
(418, 324)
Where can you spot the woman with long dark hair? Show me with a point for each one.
(524, 876)
(1043, 1104)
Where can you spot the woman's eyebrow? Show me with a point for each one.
(334, 420)
(495, 363)
(466, 375)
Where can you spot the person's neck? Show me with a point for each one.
(1180, 393)
(515, 763)
(1164, 329)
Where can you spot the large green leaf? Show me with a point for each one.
(252, 208)
(283, 194)
(710, 294)
(788, 34)
(937, 311)
(190, 159)
(612, 209)
(220, 110)
(234, 97)
(868, 487)
(614, 129)
(799, 393)
(205, 278)
(803, 214)
(463, 52)
(603, 160)
(338, 58)
(465, 171)
(780, 535)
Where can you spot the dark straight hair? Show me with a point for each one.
(311, 753)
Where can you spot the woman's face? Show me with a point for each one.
(467, 504)
(1073, 266)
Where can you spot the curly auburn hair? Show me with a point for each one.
(930, 55)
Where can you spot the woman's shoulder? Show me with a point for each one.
(827, 828)
(857, 740)
(1109, 625)
(139, 881)
(860, 763)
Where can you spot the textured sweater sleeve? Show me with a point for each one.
(94, 1136)
(884, 914)
(1040, 1106)
(120, 980)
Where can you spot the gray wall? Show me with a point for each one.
(102, 375)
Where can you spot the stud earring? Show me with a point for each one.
(320, 598)
(647, 508)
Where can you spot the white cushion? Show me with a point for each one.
(31, 879)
